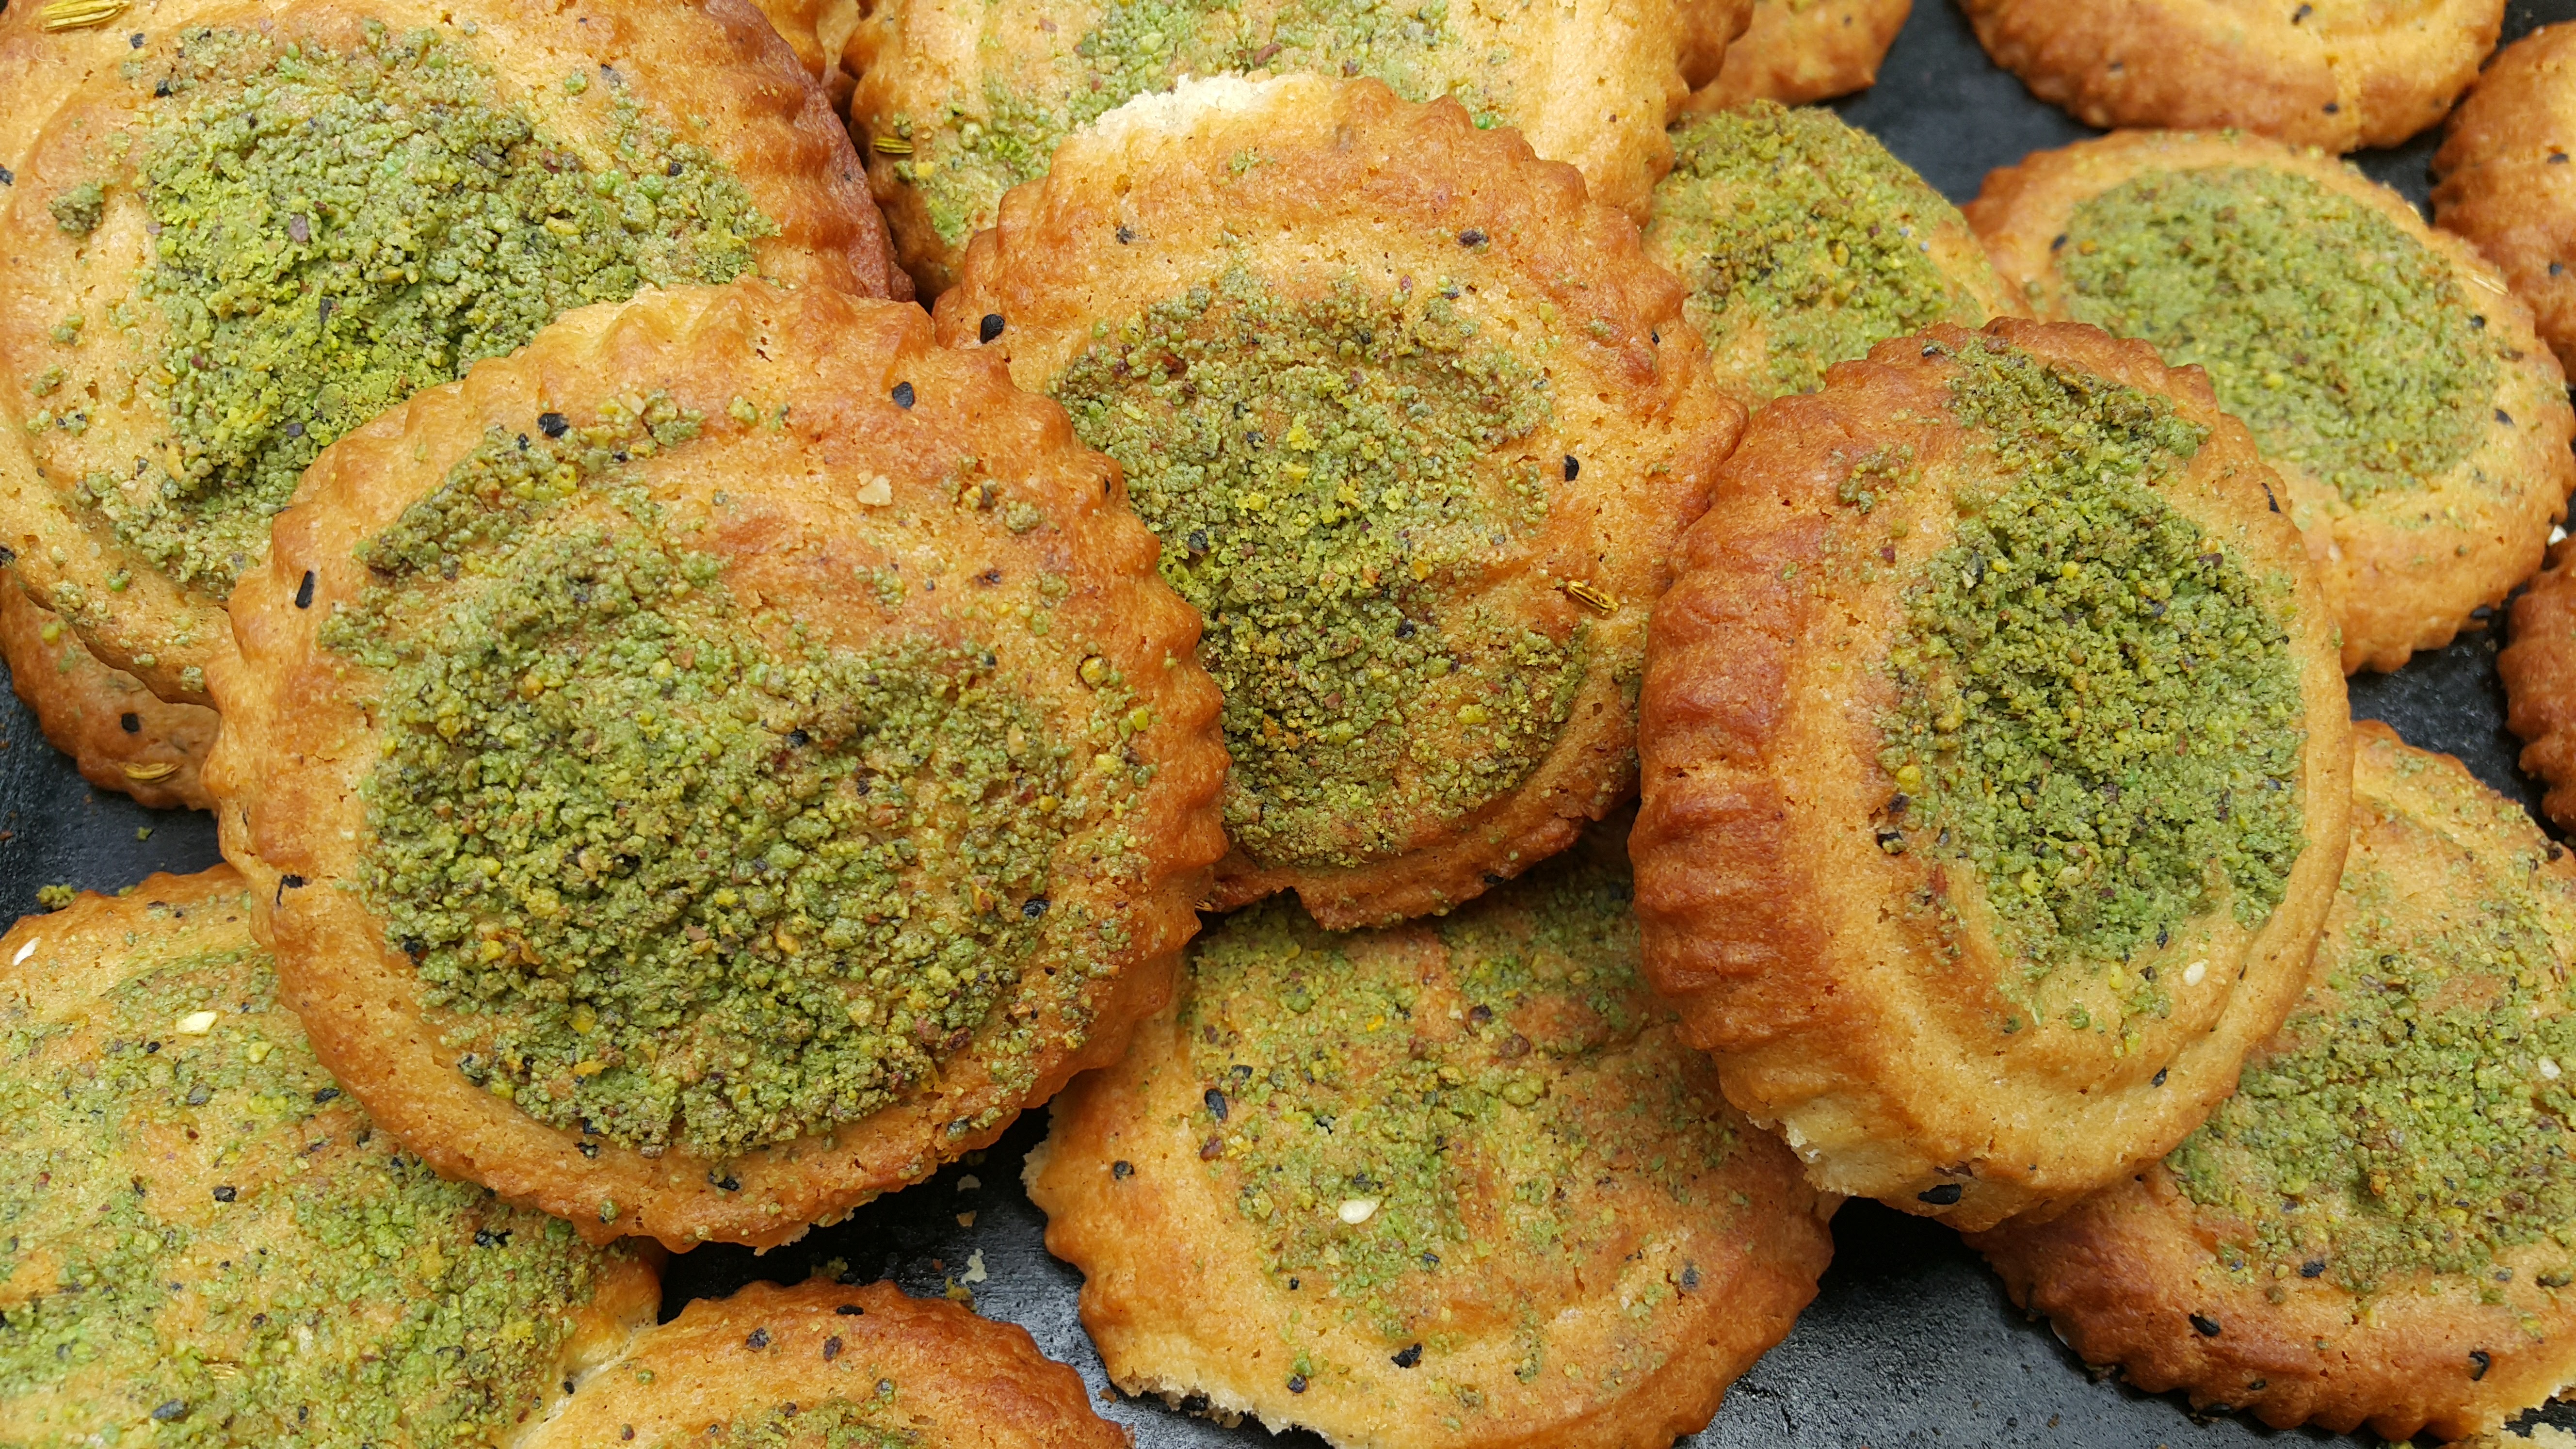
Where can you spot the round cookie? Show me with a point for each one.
(1799, 51)
(263, 222)
(961, 100)
(710, 767)
(2538, 669)
(1708, 28)
(2375, 1227)
(1804, 244)
(2387, 375)
(1418, 427)
(818, 31)
(209, 1243)
(2505, 181)
(2341, 74)
(1457, 1182)
(826, 1367)
(120, 735)
(1995, 769)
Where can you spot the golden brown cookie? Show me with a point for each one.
(1995, 768)
(828, 1367)
(266, 221)
(209, 1243)
(818, 31)
(2376, 1227)
(1799, 51)
(120, 735)
(712, 766)
(961, 100)
(2506, 182)
(2388, 377)
(1708, 28)
(1458, 1183)
(1418, 428)
(1804, 244)
(2341, 74)
(2539, 672)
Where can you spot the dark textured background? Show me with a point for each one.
(1911, 1341)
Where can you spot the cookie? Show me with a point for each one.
(2374, 1228)
(1804, 244)
(828, 1367)
(2388, 377)
(260, 225)
(1995, 769)
(1419, 454)
(961, 100)
(1799, 51)
(2538, 669)
(2341, 74)
(2503, 176)
(210, 1242)
(120, 735)
(1458, 1182)
(717, 763)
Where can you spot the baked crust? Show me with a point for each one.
(818, 31)
(1799, 51)
(1057, 575)
(2341, 74)
(1707, 29)
(2504, 182)
(2446, 1353)
(1613, 1313)
(102, 408)
(2407, 568)
(725, 1367)
(233, 1147)
(1590, 83)
(2539, 672)
(120, 735)
(1356, 189)
(1814, 963)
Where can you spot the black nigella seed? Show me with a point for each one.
(851, 1310)
(135, 40)
(903, 394)
(553, 425)
(1296, 1383)
(2313, 1268)
(1492, 879)
(1408, 1356)
(731, 1183)
(1690, 1277)
(2204, 1325)
(132, 723)
(8, 177)
(2058, 243)
(291, 882)
(758, 1339)
(1121, 1170)
(2478, 322)
(1573, 467)
(1942, 1196)
(304, 591)
(2159, 1079)
(1404, 629)
(989, 328)
(1471, 237)
(227, 1193)
(1197, 542)
(326, 1094)
(1216, 1104)
(2479, 1357)
(590, 1149)
(1125, 235)
(674, 169)
(170, 1409)
(2504, 417)
(1033, 907)
(831, 1348)
(1292, 1285)
(798, 739)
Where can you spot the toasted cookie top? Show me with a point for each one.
(827, 1367)
(2387, 376)
(707, 768)
(208, 1238)
(120, 735)
(1994, 768)
(263, 224)
(2374, 1228)
(2341, 74)
(1797, 51)
(1457, 1182)
(1417, 426)
(1805, 244)
(961, 100)
(2505, 182)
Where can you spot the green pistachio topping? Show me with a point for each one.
(333, 231)
(304, 1282)
(673, 871)
(1326, 475)
(2411, 1117)
(962, 162)
(1399, 1133)
(2099, 711)
(833, 1423)
(2343, 342)
(1795, 226)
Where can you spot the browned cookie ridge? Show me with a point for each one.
(1798, 51)
(120, 735)
(2505, 180)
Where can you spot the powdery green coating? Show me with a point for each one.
(679, 875)
(2344, 343)
(356, 1298)
(1792, 223)
(2402, 1122)
(1325, 475)
(2099, 709)
(334, 231)
(962, 165)
(1341, 1082)
(834, 1423)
